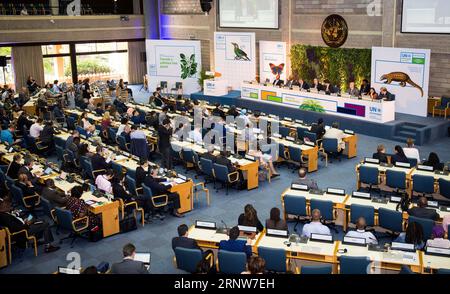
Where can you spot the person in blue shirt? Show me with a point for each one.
(137, 118)
(235, 245)
(6, 135)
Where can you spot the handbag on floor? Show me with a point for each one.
(128, 224)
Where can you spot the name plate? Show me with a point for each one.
(249, 157)
(277, 233)
(354, 241)
(425, 167)
(438, 251)
(247, 229)
(287, 119)
(444, 208)
(277, 135)
(307, 143)
(190, 140)
(396, 199)
(380, 200)
(403, 246)
(335, 191)
(349, 132)
(403, 164)
(299, 187)
(184, 178)
(299, 121)
(321, 238)
(433, 204)
(371, 160)
(362, 195)
(205, 225)
(272, 116)
(288, 138)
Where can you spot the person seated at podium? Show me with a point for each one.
(303, 180)
(335, 133)
(235, 245)
(275, 222)
(361, 232)
(250, 218)
(373, 94)
(380, 154)
(278, 82)
(329, 88)
(352, 91)
(412, 235)
(365, 87)
(302, 84)
(291, 82)
(385, 94)
(434, 161)
(155, 184)
(399, 155)
(318, 128)
(316, 85)
(315, 226)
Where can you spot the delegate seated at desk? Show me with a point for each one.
(250, 218)
(385, 94)
(98, 161)
(352, 91)
(422, 211)
(303, 180)
(318, 128)
(275, 222)
(128, 265)
(361, 232)
(335, 133)
(329, 88)
(235, 245)
(316, 85)
(55, 197)
(315, 226)
(302, 84)
(380, 154)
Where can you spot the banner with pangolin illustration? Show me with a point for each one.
(405, 73)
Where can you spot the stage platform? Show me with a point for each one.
(424, 130)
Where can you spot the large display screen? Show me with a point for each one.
(257, 14)
(430, 16)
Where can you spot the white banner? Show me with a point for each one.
(174, 61)
(235, 57)
(405, 73)
(272, 60)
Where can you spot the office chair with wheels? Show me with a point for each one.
(423, 185)
(354, 265)
(76, 227)
(231, 262)
(316, 270)
(187, 259)
(327, 212)
(275, 259)
(295, 205)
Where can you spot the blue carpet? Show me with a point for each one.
(157, 237)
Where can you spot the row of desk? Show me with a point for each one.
(324, 252)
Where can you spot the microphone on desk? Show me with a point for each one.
(224, 229)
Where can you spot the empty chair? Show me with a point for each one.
(206, 167)
(443, 107)
(412, 161)
(443, 271)
(187, 259)
(282, 152)
(117, 167)
(444, 188)
(139, 148)
(423, 184)
(366, 211)
(406, 270)
(396, 180)
(231, 262)
(354, 265)
(311, 136)
(427, 225)
(275, 259)
(81, 131)
(369, 175)
(295, 205)
(123, 145)
(284, 131)
(390, 219)
(301, 133)
(132, 187)
(316, 269)
(295, 156)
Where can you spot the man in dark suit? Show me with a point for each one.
(183, 240)
(329, 88)
(141, 172)
(164, 135)
(422, 211)
(55, 197)
(303, 85)
(48, 136)
(278, 82)
(14, 167)
(98, 161)
(385, 94)
(316, 85)
(222, 159)
(235, 245)
(26, 169)
(154, 183)
(365, 87)
(318, 128)
(128, 265)
(18, 222)
(380, 154)
(291, 82)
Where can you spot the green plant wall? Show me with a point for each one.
(339, 65)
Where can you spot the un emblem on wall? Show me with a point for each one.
(334, 30)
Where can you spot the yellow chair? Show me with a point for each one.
(9, 236)
(198, 188)
(136, 208)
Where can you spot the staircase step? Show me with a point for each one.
(409, 128)
(400, 138)
(407, 134)
(417, 126)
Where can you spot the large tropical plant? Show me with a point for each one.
(312, 105)
(203, 76)
(188, 66)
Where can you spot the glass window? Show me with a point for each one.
(55, 49)
(58, 68)
(122, 45)
(7, 74)
(106, 46)
(112, 66)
